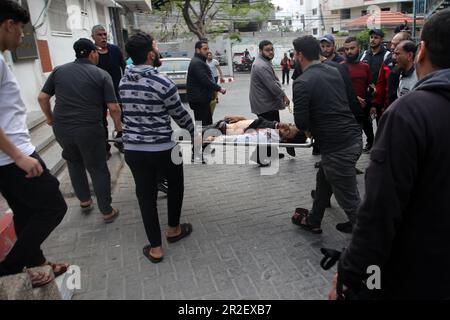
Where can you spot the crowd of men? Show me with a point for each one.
(403, 223)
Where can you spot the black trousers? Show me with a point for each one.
(146, 167)
(202, 112)
(38, 207)
(273, 115)
(367, 126)
(286, 74)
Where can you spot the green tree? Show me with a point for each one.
(204, 16)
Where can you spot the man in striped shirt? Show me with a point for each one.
(149, 101)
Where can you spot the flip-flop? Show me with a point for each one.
(297, 218)
(36, 276)
(146, 252)
(113, 218)
(186, 229)
(63, 267)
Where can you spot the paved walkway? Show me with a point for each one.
(243, 246)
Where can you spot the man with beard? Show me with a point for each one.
(266, 94)
(201, 84)
(321, 107)
(359, 71)
(112, 61)
(150, 100)
(328, 48)
(374, 57)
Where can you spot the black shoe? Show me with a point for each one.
(291, 151)
(281, 156)
(313, 195)
(345, 227)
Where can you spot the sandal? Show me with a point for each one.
(146, 252)
(300, 218)
(112, 218)
(58, 268)
(39, 278)
(186, 229)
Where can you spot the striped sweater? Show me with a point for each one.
(149, 100)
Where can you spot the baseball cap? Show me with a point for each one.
(377, 32)
(83, 46)
(328, 38)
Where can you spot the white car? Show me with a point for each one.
(176, 69)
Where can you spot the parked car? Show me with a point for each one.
(176, 69)
(242, 62)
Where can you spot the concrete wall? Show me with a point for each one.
(29, 72)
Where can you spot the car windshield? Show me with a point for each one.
(174, 65)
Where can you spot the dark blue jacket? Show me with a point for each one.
(116, 67)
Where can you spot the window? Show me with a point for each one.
(334, 11)
(385, 9)
(58, 16)
(315, 31)
(346, 14)
(407, 7)
(101, 14)
(314, 12)
(363, 13)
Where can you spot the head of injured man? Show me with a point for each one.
(288, 132)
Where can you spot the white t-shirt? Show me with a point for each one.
(261, 136)
(213, 66)
(13, 113)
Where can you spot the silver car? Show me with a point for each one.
(176, 69)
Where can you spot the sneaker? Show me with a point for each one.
(163, 187)
(313, 195)
(345, 227)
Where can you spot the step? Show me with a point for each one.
(52, 157)
(41, 136)
(34, 118)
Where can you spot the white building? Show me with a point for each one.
(351, 9)
(312, 17)
(57, 24)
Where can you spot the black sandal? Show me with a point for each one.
(186, 229)
(302, 214)
(146, 252)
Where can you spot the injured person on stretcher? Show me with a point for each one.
(240, 129)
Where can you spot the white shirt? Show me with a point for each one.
(213, 66)
(13, 114)
(260, 136)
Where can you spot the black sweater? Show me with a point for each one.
(403, 224)
(200, 83)
(321, 106)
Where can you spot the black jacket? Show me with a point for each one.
(321, 106)
(403, 224)
(353, 101)
(200, 83)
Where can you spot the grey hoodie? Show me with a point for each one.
(266, 93)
